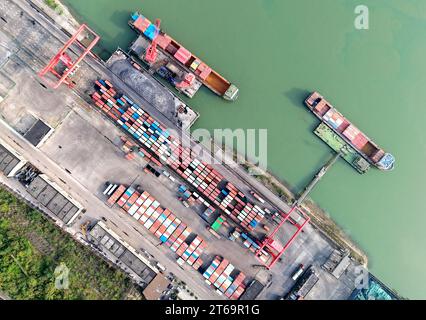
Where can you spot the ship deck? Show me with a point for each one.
(339, 145)
(138, 49)
(356, 139)
(214, 81)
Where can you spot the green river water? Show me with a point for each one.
(278, 50)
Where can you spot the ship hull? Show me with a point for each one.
(186, 60)
(351, 135)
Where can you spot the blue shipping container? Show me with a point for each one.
(150, 31)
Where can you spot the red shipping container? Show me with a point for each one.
(182, 249)
(205, 73)
(163, 40)
(360, 141)
(141, 23)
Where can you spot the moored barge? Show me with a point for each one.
(349, 154)
(349, 133)
(177, 53)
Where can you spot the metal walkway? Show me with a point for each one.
(316, 179)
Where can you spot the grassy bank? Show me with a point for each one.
(31, 247)
(55, 5)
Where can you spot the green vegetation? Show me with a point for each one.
(270, 182)
(53, 4)
(31, 248)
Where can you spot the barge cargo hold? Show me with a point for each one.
(179, 55)
(338, 145)
(349, 133)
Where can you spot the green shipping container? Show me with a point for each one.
(217, 224)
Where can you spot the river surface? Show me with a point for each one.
(277, 51)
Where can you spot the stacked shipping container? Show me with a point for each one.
(173, 232)
(249, 243)
(160, 222)
(157, 144)
(218, 274)
(234, 203)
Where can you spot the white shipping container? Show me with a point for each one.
(144, 218)
(148, 224)
(140, 201)
(150, 211)
(155, 204)
(133, 209)
(148, 202)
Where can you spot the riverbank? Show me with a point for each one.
(60, 13)
(319, 217)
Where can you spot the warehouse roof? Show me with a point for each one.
(51, 198)
(156, 288)
(7, 160)
(107, 242)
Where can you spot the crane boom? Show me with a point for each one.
(151, 52)
(62, 65)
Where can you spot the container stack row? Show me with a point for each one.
(218, 274)
(157, 145)
(191, 253)
(207, 180)
(201, 176)
(134, 120)
(234, 203)
(161, 222)
(249, 243)
(191, 197)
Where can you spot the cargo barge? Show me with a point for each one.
(336, 143)
(350, 134)
(180, 57)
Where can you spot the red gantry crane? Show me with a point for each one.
(273, 246)
(66, 61)
(151, 52)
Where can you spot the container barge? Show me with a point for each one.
(350, 134)
(181, 57)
